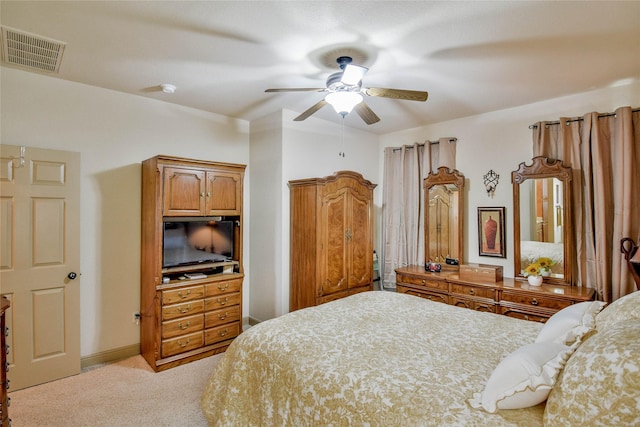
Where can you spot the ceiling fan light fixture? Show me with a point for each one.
(343, 102)
(352, 74)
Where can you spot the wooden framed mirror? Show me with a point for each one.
(444, 218)
(542, 225)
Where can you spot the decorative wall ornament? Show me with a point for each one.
(491, 182)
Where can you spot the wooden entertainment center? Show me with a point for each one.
(189, 311)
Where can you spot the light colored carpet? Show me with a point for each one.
(125, 393)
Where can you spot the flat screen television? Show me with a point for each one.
(197, 241)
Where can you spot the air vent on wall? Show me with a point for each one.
(31, 51)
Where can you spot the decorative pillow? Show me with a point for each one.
(524, 378)
(600, 384)
(626, 307)
(570, 324)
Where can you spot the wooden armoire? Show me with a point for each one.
(331, 247)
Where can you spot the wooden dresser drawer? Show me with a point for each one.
(182, 343)
(189, 293)
(182, 326)
(221, 301)
(540, 300)
(431, 296)
(221, 333)
(525, 314)
(181, 310)
(222, 287)
(222, 316)
(473, 304)
(420, 281)
(473, 291)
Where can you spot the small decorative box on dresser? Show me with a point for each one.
(191, 272)
(507, 296)
(4, 366)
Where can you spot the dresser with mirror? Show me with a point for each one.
(542, 216)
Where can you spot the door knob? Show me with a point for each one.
(72, 275)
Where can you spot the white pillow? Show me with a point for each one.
(570, 324)
(524, 378)
(624, 308)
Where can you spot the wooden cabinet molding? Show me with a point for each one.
(509, 297)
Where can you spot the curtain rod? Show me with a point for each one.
(423, 144)
(577, 119)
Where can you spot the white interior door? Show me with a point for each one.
(39, 249)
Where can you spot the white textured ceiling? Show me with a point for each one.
(471, 56)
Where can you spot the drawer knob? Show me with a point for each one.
(223, 286)
(472, 291)
(534, 302)
(223, 333)
(424, 282)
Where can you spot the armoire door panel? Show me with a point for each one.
(360, 244)
(335, 247)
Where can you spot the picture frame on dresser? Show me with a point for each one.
(491, 232)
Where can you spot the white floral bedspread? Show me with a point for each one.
(373, 359)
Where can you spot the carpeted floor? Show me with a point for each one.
(121, 394)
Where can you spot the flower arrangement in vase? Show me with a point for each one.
(535, 271)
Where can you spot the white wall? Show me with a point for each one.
(501, 140)
(113, 132)
(307, 149)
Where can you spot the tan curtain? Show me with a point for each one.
(604, 152)
(403, 201)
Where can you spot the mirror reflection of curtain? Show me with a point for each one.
(603, 151)
(405, 169)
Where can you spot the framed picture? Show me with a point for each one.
(491, 232)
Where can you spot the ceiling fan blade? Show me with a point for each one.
(352, 74)
(409, 95)
(310, 111)
(298, 89)
(366, 113)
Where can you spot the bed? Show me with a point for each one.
(387, 359)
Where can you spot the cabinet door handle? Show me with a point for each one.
(534, 302)
(201, 194)
(185, 295)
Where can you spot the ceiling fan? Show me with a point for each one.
(345, 93)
